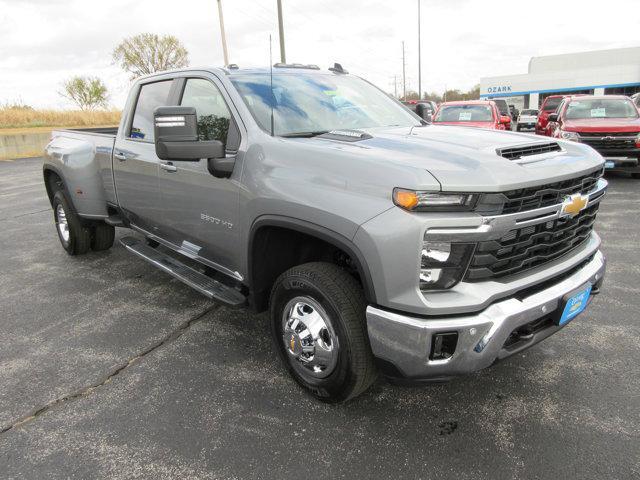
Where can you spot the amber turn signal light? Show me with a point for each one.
(406, 199)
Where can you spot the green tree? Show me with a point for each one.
(149, 53)
(88, 93)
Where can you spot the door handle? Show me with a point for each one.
(168, 167)
(120, 156)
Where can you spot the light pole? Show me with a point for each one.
(283, 57)
(224, 36)
(419, 58)
(404, 78)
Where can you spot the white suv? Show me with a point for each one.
(527, 120)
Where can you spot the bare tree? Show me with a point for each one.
(88, 93)
(148, 53)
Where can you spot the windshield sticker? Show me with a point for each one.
(331, 93)
(598, 112)
(464, 116)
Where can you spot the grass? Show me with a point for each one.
(28, 118)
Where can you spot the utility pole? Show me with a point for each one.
(419, 58)
(404, 78)
(224, 36)
(283, 57)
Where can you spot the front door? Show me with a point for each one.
(135, 164)
(200, 210)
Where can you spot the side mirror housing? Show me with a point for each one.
(553, 117)
(176, 136)
(504, 119)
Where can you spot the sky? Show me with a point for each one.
(44, 42)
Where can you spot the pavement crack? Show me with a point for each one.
(25, 214)
(88, 390)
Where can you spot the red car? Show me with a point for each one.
(608, 123)
(549, 106)
(471, 113)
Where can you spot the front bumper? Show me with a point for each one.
(622, 162)
(403, 342)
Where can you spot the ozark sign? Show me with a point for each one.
(499, 89)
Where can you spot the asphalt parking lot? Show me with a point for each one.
(109, 368)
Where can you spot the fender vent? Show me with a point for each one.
(515, 153)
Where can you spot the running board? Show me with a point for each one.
(114, 221)
(199, 281)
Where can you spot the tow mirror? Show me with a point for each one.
(176, 136)
(553, 117)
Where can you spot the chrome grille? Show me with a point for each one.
(521, 200)
(528, 247)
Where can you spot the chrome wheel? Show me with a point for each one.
(61, 222)
(309, 338)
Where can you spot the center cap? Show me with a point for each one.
(294, 343)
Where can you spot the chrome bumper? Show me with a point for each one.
(405, 341)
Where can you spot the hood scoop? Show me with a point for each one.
(520, 151)
(346, 135)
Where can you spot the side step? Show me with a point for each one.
(202, 283)
(114, 221)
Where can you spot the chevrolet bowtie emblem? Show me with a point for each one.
(574, 204)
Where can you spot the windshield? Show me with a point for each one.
(600, 108)
(314, 103)
(551, 104)
(464, 113)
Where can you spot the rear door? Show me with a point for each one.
(135, 163)
(201, 210)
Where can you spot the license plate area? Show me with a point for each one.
(573, 303)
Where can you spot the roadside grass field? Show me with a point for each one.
(24, 131)
(28, 118)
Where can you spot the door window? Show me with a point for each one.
(213, 115)
(151, 95)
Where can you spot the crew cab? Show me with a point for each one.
(377, 242)
(471, 113)
(608, 123)
(527, 119)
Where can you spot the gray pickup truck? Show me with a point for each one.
(378, 243)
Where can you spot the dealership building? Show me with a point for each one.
(598, 72)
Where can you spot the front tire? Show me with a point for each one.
(318, 324)
(74, 236)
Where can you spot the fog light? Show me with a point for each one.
(442, 264)
(443, 345)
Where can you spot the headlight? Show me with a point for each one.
(442, 264)
(432, 201)
(638, 141)
(571, 136)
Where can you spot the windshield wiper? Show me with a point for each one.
(304, 134)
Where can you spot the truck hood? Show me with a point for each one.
(608, 125)
(464, 159)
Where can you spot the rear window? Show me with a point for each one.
(464, 113)
(551, 104)
(151, 95)
(529, 112)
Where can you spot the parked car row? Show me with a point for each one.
(608, 123)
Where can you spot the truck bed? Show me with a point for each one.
(109, 131)
(84, 158)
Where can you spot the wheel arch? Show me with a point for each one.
(259, 281)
